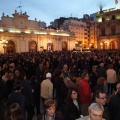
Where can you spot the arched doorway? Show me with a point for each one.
(10, 48)
(113, 45)
(104, 45)
(32, 46)
(64, 46)
(49, 45)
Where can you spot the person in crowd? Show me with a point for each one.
(95, 112)
(3, 98)
(65, 71)
(39, 72)
(46, 87)
(54, 61)
(36, 93)
(66, 85)
(46, 70)
(27, 93)
(101, 82)
(17, 97)
(50, 112)
(0, 72)
(57, 83)
(9, 83)
(73, 72)
(115, 92)
(71, 106)
(114, 106)
(4, 68)
(111, 78)
(117, 67)
(17, 75)
(32, 67)
(5, 76)
(11, 68)
(100, 97)
(101, 70)
(93, 78)
(84, 91)
(48, 65)
(14, 112)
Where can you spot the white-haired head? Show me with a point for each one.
(96, 107)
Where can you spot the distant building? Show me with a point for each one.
(79, 28)
(18, 34)
(109, 29)
(41, 24)
(93, 17)
(91, 30)
(58, 22)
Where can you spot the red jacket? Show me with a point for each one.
(84, 91)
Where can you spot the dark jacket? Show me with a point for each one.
(70, 110)
(9, 85)
(17, 97)
(58, 116)
(27, 93)
(98, 87)
(114, 107)
(3, 98)
(101, 72)
(93, 80)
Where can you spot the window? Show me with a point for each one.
(113, 30)
(113, 17)
(103, 32)
(103, 19)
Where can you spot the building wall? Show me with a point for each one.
(109, 29)
(78, 28)
(21, 32)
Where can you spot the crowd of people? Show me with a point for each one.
(60, 85)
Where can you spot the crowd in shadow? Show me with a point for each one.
(71, 85)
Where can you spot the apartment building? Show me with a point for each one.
(79, 28)
(109, 28)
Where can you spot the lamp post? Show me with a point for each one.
(4, 43)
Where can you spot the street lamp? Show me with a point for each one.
(4, 43)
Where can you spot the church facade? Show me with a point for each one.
(19, 34)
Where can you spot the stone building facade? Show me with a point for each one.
(108, 29)
(25, 35)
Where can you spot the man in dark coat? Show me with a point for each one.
(27, 93)
(114, 106)
(3, 97)
(17, 97)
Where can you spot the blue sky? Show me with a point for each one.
(48, 10)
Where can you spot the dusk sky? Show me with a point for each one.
(48, 10)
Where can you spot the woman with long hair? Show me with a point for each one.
(71, 105)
